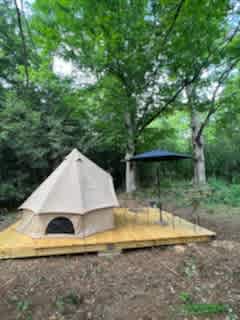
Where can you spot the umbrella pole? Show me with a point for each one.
(159, 195)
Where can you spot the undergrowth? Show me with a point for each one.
(182, 193)
(224, 193)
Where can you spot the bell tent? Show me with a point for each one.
(77, 198)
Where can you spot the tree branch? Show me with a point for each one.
(176, 15)
(169, 31)
(25, 56)
(213, 109)
(155, 115)
(185, 83)
(206, 63)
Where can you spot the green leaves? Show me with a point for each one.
(34, 138)
(141, 53)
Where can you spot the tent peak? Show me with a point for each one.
(74, 155)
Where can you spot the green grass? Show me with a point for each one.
(70, 299)
(23, 308)
(191, 308)
(205, 308)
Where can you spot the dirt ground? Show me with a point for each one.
(147, 284)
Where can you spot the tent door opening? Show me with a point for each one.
(60, 225)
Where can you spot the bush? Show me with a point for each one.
(224, 192)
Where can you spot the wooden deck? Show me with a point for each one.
(133, 230)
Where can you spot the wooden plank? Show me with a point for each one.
(133, 230)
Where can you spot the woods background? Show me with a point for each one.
(143, 75)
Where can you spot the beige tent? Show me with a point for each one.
(77, 198)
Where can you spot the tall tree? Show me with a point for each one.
(138, 46)
(214, 47)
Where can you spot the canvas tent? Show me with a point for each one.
(77, 198)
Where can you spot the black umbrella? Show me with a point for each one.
(159, 155)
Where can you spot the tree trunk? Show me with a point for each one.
(198, 149)
(130, 174)
(130, 170)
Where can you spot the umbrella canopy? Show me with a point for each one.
(159, 155)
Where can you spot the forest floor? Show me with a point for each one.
(170, 282)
